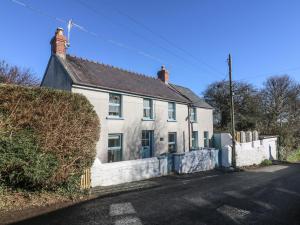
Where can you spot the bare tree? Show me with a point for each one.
(246, 100)
(281, 111)
(15, 75)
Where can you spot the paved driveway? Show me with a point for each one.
(269, 195)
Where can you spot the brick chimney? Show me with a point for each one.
(58, 43)
(163, 75)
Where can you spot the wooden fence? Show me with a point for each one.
(238, 136)
(85, 182)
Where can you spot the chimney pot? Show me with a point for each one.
(58, 43)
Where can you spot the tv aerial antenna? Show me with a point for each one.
(69, 26)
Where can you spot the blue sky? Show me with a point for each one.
(192, 38)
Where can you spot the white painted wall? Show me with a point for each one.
(105, 174)
(251, 153)
(195, 161)
(132, 124)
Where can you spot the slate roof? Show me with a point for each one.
(94, 74)
(195, 99)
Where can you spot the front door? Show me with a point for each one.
(147, 143)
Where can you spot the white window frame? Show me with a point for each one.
(172, 110)
(115, 104)
(150, 108)
(116, 148)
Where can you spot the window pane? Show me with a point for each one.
(206, 139)
(172, 142)
(147, 111)
(146, 102)
(171, 110)
(114, 98)
(114, 105)
(114, 156)
(114, 147)
(114, 141)
(195, 139)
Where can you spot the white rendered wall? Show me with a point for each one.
(251, 153)
(195, 161)
(105, 174)
(131, 125)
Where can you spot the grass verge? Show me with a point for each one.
(294, 156)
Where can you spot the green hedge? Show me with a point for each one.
(47, 137)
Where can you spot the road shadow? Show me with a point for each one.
(269, 195)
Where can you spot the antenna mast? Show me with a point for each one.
(70, 25)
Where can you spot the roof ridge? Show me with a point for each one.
(113, 67)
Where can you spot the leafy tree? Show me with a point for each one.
(15, 75)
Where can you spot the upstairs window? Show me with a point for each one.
(193, 114)
(148, 109)
(114, 105)
(171, 111)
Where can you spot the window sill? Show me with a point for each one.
(172, 120)
(147, 119)
(114, 118)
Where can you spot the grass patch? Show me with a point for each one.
(12, 200)
(266, 162)
(294, 156)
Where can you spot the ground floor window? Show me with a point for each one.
(194, 139)
(114, 147)
(206, 139)
(172, 139)
(147, 143)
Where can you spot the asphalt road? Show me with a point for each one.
(269, 195)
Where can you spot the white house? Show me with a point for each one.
(140, 116)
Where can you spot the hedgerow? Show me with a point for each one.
(47, 137)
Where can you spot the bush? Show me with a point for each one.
(266, 162)
(294, 156)
(22, 164)
(64, 130)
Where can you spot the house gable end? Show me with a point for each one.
(56, 76)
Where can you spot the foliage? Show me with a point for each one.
(266, 162)
(281, 112)
(22, 164)
(16, 75)
(272, 110)
(294, 156)
(64, 127)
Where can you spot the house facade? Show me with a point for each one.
(140, 116)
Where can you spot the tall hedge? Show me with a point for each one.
(47, 137)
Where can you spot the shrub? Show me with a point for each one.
(294, 156)
(64, 125)
(266, 162)
(22, 164)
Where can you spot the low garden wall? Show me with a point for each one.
(251, 153)
(105, 174)
(195, 161)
